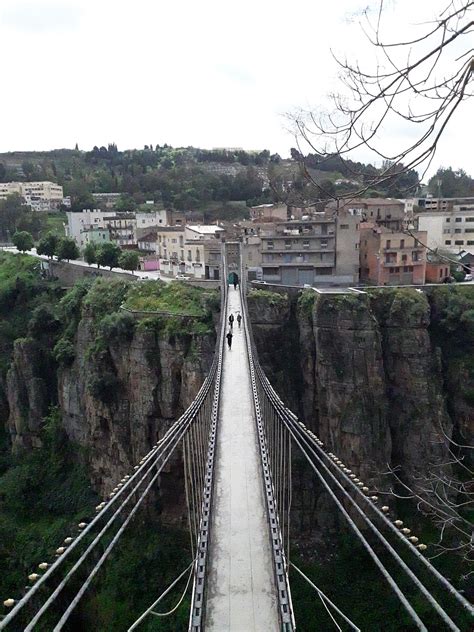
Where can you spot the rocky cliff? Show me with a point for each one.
(119, 380)
(385, 378)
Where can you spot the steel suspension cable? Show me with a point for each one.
(324, 598)
(383, 540)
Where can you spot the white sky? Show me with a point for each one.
(208, 73)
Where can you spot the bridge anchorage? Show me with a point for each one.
(239, 442)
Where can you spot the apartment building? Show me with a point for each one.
(391, 258)
(121, 228)
(299, 252)
(269, 212)
(427, 204)
(389, 212)
(170, 249)
(41, 196)
(452, 229)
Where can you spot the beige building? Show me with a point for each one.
(41, 196)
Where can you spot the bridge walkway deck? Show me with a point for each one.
(241, 592)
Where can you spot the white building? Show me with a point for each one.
(451, 229)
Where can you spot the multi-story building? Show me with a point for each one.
(418, 205)
(122, 228)
(148, 243)
(388, 212)
(269, 212)
(322, 249)
(452, 229)
(392, 258)
(190, 250)
(41, 196)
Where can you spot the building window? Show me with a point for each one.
(470, 242)
(189, 256)
(469, 219)
(446, 231)
(458, 230)
(305, 243)
(458, 219)
(357, 246)
(324, 243)
(391, 257)
(408, 269)
(288, 244)
(415, 255)
(389, 243)
(402, 243)
(448, 242)
(469, 230)
(344, 226)
(459, 242)
(198, 256)
(270, 245)
(404, 257)
(448, 219)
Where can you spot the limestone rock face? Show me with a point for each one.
(370, 380)
(154, 380)
(349, 384)
(30, 380)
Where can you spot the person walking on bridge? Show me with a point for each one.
(239, 319)
(229, 339)
(231, 321)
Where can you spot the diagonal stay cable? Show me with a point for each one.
(322, 453)
(324, 598)
(140, 472)
(375, 530)
(170, 587)
(111, 520)
(295, 429)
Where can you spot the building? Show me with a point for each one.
(148, 242)
(389, 212)
(269, 212)
(391, 258)
(427, 204)
(299, 252)
(191, 250)
(122, 228)
(437, 269)
(452, 229)
(95, 234)
(41, 196)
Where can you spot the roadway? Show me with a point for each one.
(240, 590)
(140, 274)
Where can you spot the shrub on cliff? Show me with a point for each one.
(119, 325)
(270, 298)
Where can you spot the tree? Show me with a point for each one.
(90, 253)
(23, 241)
(67, 249)
(108, 255)
(418, 82)
(129, 260)
(47, 246)
(12, 210)
(450, 183)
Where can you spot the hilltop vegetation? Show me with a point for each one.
(210, 181)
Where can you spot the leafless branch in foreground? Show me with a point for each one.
(420, 81)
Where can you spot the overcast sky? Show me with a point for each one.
(207, 73)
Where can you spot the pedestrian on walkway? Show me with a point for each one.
(229, 339)
(239, 319)
(231, 320)
(235, 284)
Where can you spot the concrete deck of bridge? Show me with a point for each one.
(241, 593)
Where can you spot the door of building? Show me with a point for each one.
(289, 276)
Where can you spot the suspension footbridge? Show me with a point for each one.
(238, 443)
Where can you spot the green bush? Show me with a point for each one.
(64, 352)
(271, 298)
(119, 325)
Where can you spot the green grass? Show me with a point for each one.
(173, 298)
(54, 223)
(270, 298)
